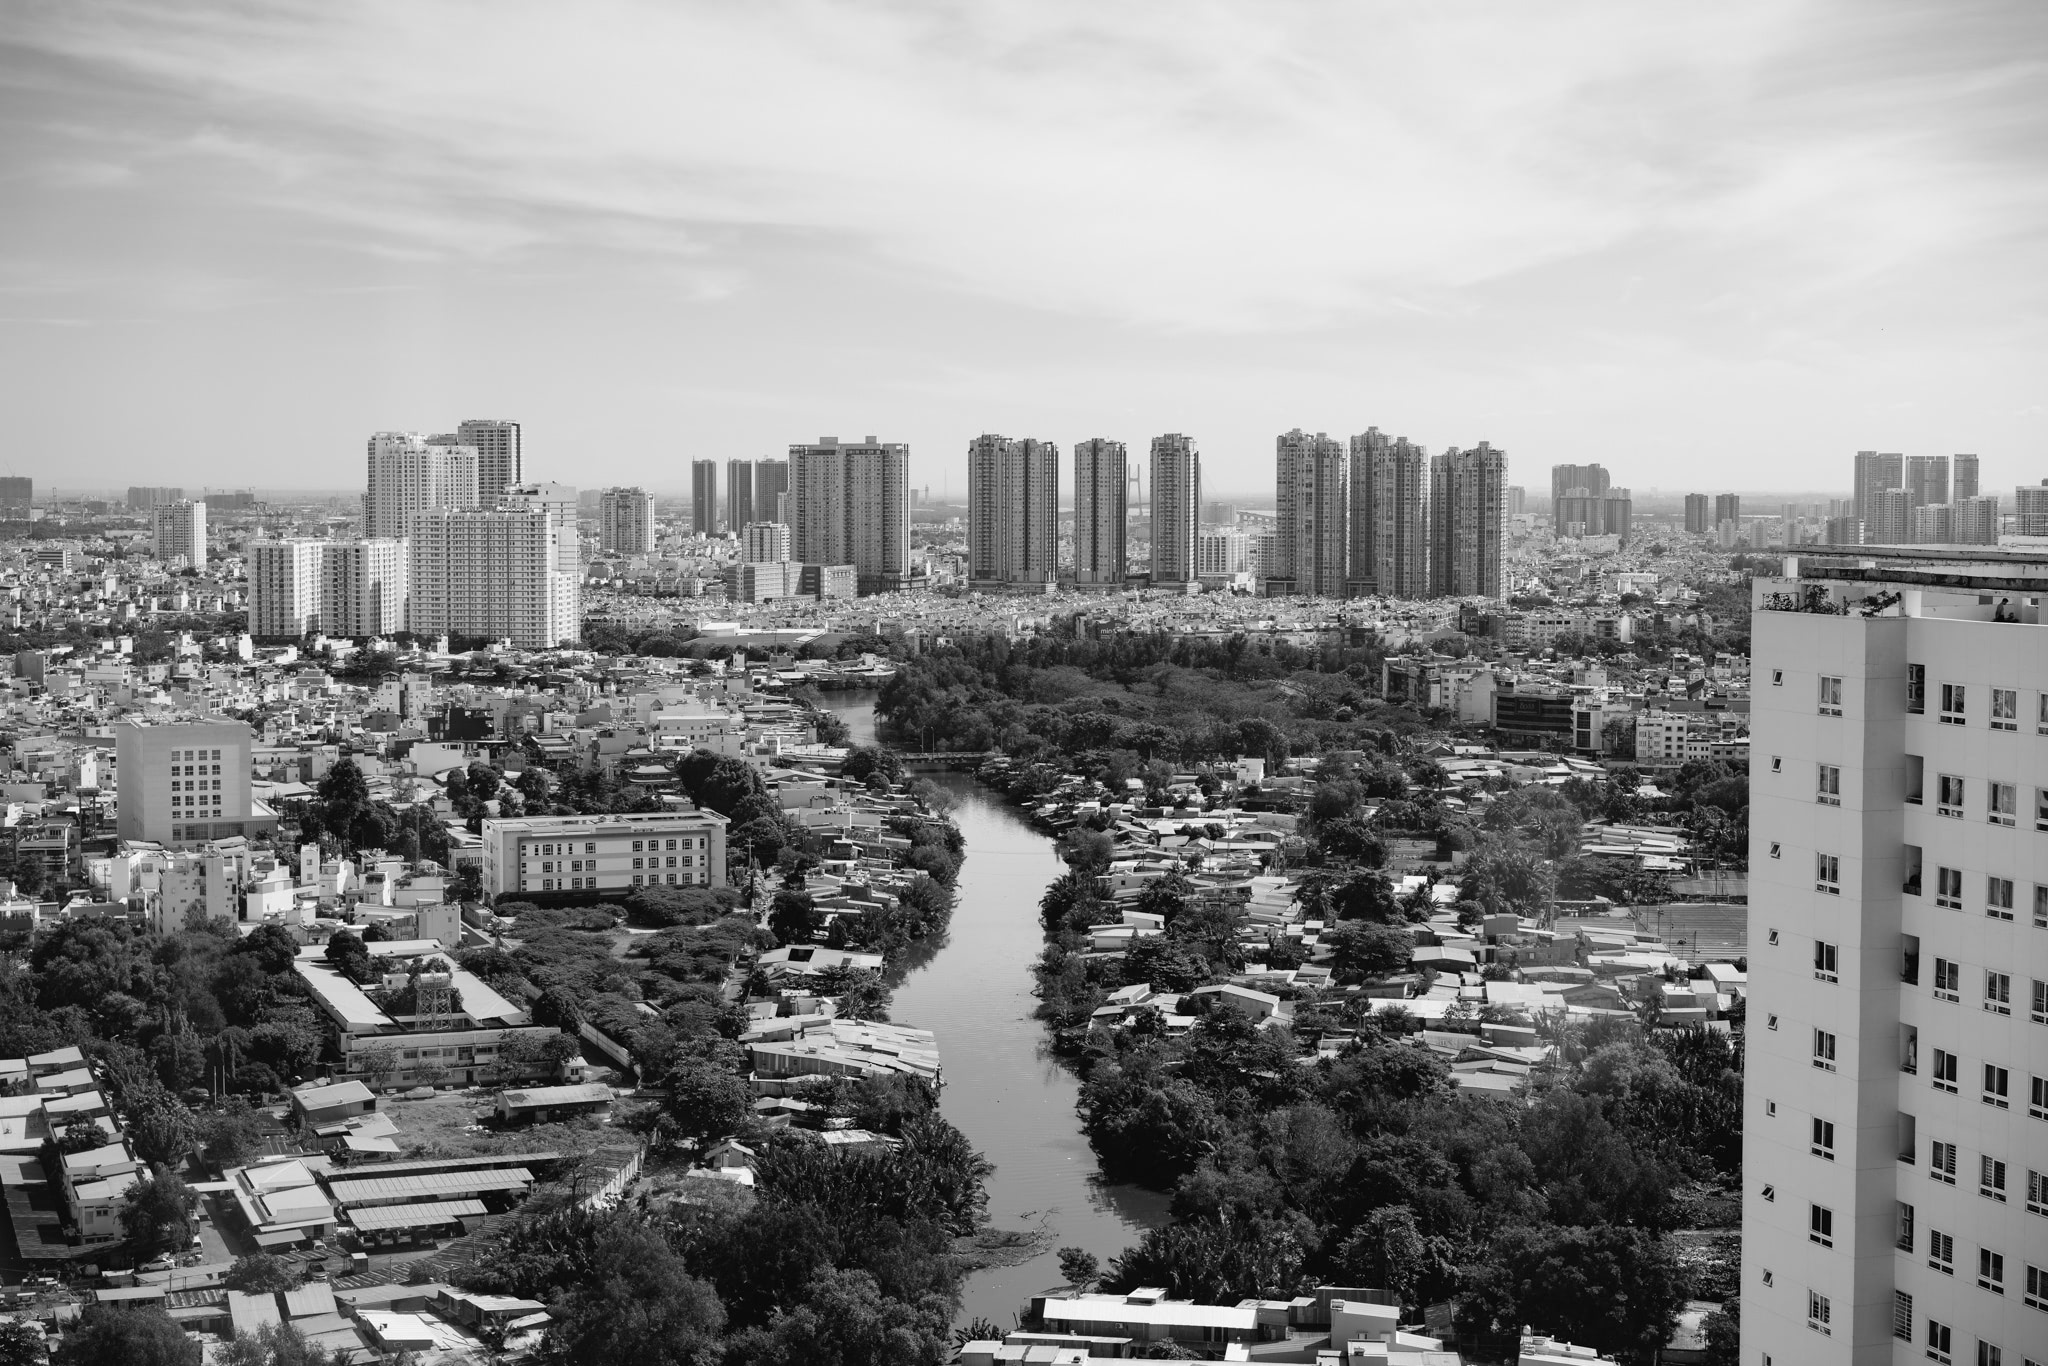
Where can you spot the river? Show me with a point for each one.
(1004, 1090)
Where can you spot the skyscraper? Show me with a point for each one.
(1312, 498)
(1894, 1173)
(764, 543)
(1976, 520)
(625, 521)
(1176, 510)
(1617, 514)
(408, 474)
(1876, 471)
(1565, 478)
(179, 529)
(1013, 512)
(704, 497)
(1400, 529)
(1965, 481)
(142, 498)
(1465, 490)
(2030, 506)
(1727, 508)
(771, 483)
(499, 462)
(1696, 514)
(1099, 512)
(1516, 500)
(849, 503)
(739, 494)
(508, 572)
(17, 497)
(1931, 524)
(1362, 554)
(1927, 479)
(1888, 517)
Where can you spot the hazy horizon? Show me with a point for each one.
(1739, 241)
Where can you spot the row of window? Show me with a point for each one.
(589, 865)
(1954, 699)
(1999, 892)
(1940, 1337)
(578, 884)
(1951, 795)
(551, 848)
(196, 770)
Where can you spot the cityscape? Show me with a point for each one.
(1543, 865)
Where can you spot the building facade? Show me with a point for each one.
(1589, 481)
(764, 543)
(500, 463)
(739, 493)
(1013, 512)
(625, 521)
(1100, 514)
(771, 487)
(604, 854)
(1963, 482)
(17, 497)
(2030, 508)
(1312, 502)
(849, 503)
(1400, 527)
(1875, 472)
(185, 783)
(704, 497)
(1896, 1076)
(1361, 555)
(1176, 510)
(508, 573)
(1696, 514)
(1465, 516)
(408, 474)
(178, 530)
(1888, 518)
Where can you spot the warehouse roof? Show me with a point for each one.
(396, 1190)
(427, 1215)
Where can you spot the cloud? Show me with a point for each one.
(1186, 167)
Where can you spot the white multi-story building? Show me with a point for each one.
(1013, 512)
(1100, 513)
(849, 503)
(179, 531)
(2030, 503)
(185, 783)
(1176, 510)
(508, 573)
(284, 588)
(1895, 1117)
(625, 521)
(1976, 518)
(409, 474)
(337, 588)
(603, 853)
(1223, 554)
(764, 543)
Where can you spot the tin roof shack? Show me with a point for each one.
(1146, 1315)
(332, 1104)
(785, 1048)
(281, 1203)
(539, 1104)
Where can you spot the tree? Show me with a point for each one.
(793, 919)
(636, 1303)
(156, 1215)
(706, 1101)
(260, 1272)
(346, 954)
(231, 1137)
(1364, 949)
(273, 948)
(22, 1344)
(558, 1007)
(127, 1336)
(83, 1138)
(1079, 1267)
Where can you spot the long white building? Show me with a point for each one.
(505, 573)
(615, 854)
(410, 473)
(338, 588)
(1895, 1116)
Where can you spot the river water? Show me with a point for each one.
(1004, 1090)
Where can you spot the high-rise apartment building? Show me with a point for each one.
(1564, 479)
(1465, 521)
(499, 461)
(2030, 508)
(1362, 554)
(504, 573)
(1875, 472)
(1896, 1070)
(1100, 470)
(1887, 518)
(739, 494)
(142, 499)
(1964, 483)
(1176, 510)
(284, 589)
(17, 497)
(771, 487)
(179, 530)
(408, 474)
(1312, 504)
(1617, 514)
(1727, 508)
(1842, 530)
(1013, 512)
(185, 782)
(625, 521)
(1400, 528)
(1931, 523)
(764, 543)
(1976, 520)
(1223, 554)
(849, 503)
(704, 497)
(1926, 480)
(1696, 521)
(1517, 500)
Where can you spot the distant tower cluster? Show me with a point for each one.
(1465, 516)
(1919, 500)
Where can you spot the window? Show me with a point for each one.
(1777, 763)
(2001, 803)
(1909, 1048)
(1944, 1070)
(636, 846)
(2037, 1287)
(1952, 704)
(1823, 1050)
(1820, 1225)
(1908, 1130)
(1989, 1355)
(1991, 1270)
(1948, 978)
(671, 844)
(1909, 959)
(2005, 709)
(1948, 796)
(1770, 1194)
(1996, 1079)
(2037, 1193)
(1830, 696)
(2037, 1097)
(1904, 1236)
(1916, 690)
(2041, 719)
(1770, 1022)
(1991, 1179)
(1830, 785)
(1827, 875)
(1941, 1162)
(636, 879)
(1771, 1108)
(1911, 885)
(1998, 898)
(1938, 1338)
(1826, 960)
(2041, 808)
(2040, 907)
(1819, 1313)
(1775, 847)
(1948, 888)
(1774, 939)
(1916, 778)
(2037, 1007)
(1824, 1139)
(1941, 1252)
(1998, 992)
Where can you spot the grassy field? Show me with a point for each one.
(442, 1127)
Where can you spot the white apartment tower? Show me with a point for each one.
(1176, 510)
(1400, 532)
(1976, 519)
(284, 589)
(764, 543)
(625, 521)
(499, 462)
(1100, 513)
(179, 529)
(1895, 1111)
(185, 782)
(2030, 503)
(849, 503)
(408, 474)
(505, 573)
(338, 588)
(1312, 499)
(1013, 512)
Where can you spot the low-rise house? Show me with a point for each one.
(539, 1104)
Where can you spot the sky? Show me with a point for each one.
(1707, 245)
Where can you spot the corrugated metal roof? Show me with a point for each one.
(431, 1186)
(415, 1216)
